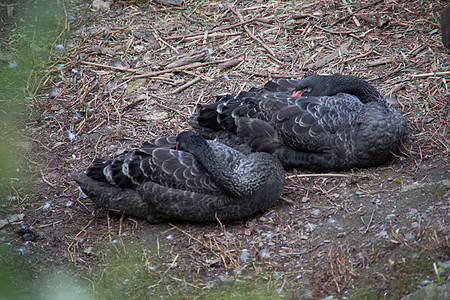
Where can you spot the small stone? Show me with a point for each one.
(53, 93)
(59, 47)
(88, 250)
(13, 64)
(70, 135)
(391, 216)
(446, 265)
(21, 251)
(425, 282)
(410, 237)
(46, 206)
(415, 225)
(412, 213)
(224, 278)
(11, 219)
(276, 275)
(245, 254)
(305, 199)
(311, 226)
(382, 234)
(316, 212)
(139, 48)
(424, 216)
(265, 253)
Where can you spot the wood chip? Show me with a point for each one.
(230, 64)
(343, 49)
(377, 62)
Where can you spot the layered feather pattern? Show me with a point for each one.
(338, 122)
(201, 181)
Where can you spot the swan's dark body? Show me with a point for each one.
(445, 26)
(338, 122)
(200, 181)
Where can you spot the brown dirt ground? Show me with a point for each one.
(329, 233)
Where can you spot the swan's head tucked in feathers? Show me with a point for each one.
(329, 85)
(205, 180)
(190, 142)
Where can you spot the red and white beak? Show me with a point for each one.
(298, 93)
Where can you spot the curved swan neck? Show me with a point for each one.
(328, 85)
(359, 87)
(241, 182)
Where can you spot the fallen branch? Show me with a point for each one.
(395, 71)
(321, 175)
(186, 85)
(270, 75)
(194, 65)
(214, 30)
(336, 32)
(433, 74)
(110, 67)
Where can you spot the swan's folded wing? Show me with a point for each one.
(309, 123)
(112, 197)
(159, 142)
(163, 165)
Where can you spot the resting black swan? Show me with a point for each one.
(320, 122)
(184, 177)
(445, 26)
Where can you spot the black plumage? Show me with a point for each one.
(320, 122)
(445, 26)
(184, 177)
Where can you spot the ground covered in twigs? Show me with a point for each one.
(136, 69)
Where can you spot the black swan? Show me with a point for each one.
(321, 122)
(184, 177)
(445, 26)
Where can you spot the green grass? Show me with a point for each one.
(404, 272)
(137, 271)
